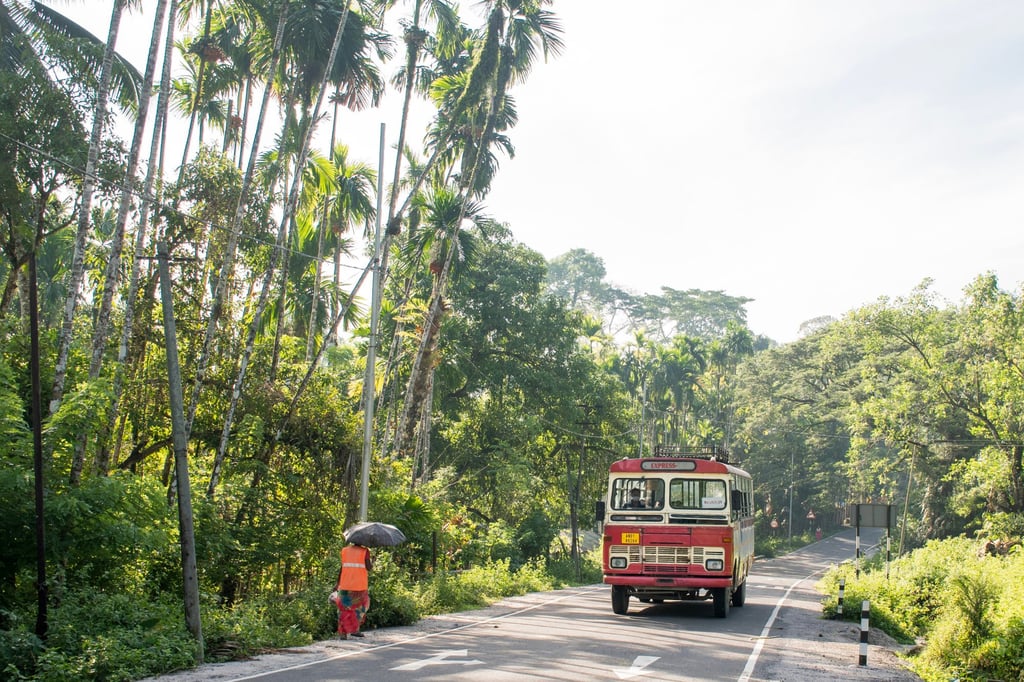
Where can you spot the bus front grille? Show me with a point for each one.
(662, 559)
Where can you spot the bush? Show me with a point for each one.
(256, 625)
(563, 570)
(392, 600)
(768, 546)
(968, 608)
(19, 651)
(98, 636)
(481, 585)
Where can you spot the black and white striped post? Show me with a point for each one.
(842, 591)
(865, 609)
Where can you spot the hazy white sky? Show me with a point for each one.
(810, 154)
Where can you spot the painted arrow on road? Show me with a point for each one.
(639, 666)
(440, 658)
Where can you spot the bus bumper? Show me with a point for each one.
(643, 583)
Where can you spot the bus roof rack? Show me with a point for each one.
(715, 453)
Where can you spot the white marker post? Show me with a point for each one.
(865, 609)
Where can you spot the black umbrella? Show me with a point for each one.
(374, 534)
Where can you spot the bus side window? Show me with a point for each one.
(737, 503)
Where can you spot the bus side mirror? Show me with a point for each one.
(599, 511)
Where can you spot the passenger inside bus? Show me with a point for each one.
(638, 493)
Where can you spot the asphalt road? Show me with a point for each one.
(573, 635)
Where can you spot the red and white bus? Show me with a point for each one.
(679, 525)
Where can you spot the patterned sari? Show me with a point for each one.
(352, 608)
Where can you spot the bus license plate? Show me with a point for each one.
(631, 538)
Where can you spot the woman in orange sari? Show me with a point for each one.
(353, 589)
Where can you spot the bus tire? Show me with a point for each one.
(620, 599)
(739, 596)
(721, 595)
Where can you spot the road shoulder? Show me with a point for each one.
(802, 646)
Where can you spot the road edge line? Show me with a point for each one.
(748, 669)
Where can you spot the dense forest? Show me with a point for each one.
(189, 336)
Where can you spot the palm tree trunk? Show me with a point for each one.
(200, 77)
(245, 118)
(101, 332)
(153, 172)
(423, 440)
(282, 295)
(413, 42)
(423, 365)
(227, 131)
(82, 234)
(317, 274)
(231, 247)
(286, 218)
(324, 224)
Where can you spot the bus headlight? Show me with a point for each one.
(619, 562)
(714, 564)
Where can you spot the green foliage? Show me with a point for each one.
(496, 543)
(19, 650)
(16, 526)
(394, 598)
(905, 604)
(767, 545)
(965, 604)
(416, 519)
(535, 534)
(107, 532)
(119, 636)
(14, 429)
(481, 585)
(563, 570)
(258, 624)
(1003, 526)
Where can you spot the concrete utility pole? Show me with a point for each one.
(180, 439)
(369, 383)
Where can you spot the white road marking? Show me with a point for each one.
(440, 658)
(638, 667)
(748, 670)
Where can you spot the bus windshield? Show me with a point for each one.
(638, 493)
(697, 493)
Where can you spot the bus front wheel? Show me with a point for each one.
(620, 599)
(721, 598)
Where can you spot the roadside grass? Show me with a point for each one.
(768, 546)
